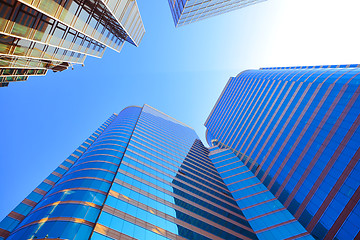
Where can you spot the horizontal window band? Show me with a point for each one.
(146, 225)
(162, 157)
(102, 149)
(182, 150)
(213, 152)
(175, 178)
(40, 191)
(232, 168)
(156, 149)
(153, 197)
(65, 219)
(29, 202)
(170, 169)
(275, 226)
(63, 167)
(145, 136)
(230, 153)
(78, 150)
(87, 169)
(75, 156)
(298, 236)
(196, 152)
(98, 143)
(16, 216)
(95, 161)
(180, 169)
(70, 161)
(228, 165)
(255, 184)
(81, 178)
(109, 232)
(176, 207)
(268, 213)
(251, 195)
(4, 233)
(80, 189)
(209, 166)
(270, 200)
(100, 154)
(240, 180)
(177, 196)
(158, 137)
(90, 204)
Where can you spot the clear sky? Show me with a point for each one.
(180, 71)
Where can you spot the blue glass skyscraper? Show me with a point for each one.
(141, 175)
(283, 163)
(287, 140)
(189, 11)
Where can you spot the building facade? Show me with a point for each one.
(188, 11)
(36, 36)
(266, 215)
(287, 140)
(141, 175)
(283, 163)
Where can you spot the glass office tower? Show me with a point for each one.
(39, 35)
(188, 11)
(288, 141)
(141, 175)
(266, 215)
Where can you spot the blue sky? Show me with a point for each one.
(180, 71)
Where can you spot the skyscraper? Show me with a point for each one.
(188, 11)
(287, 140)
(283, 164)
(36, 36)
(141, 175)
